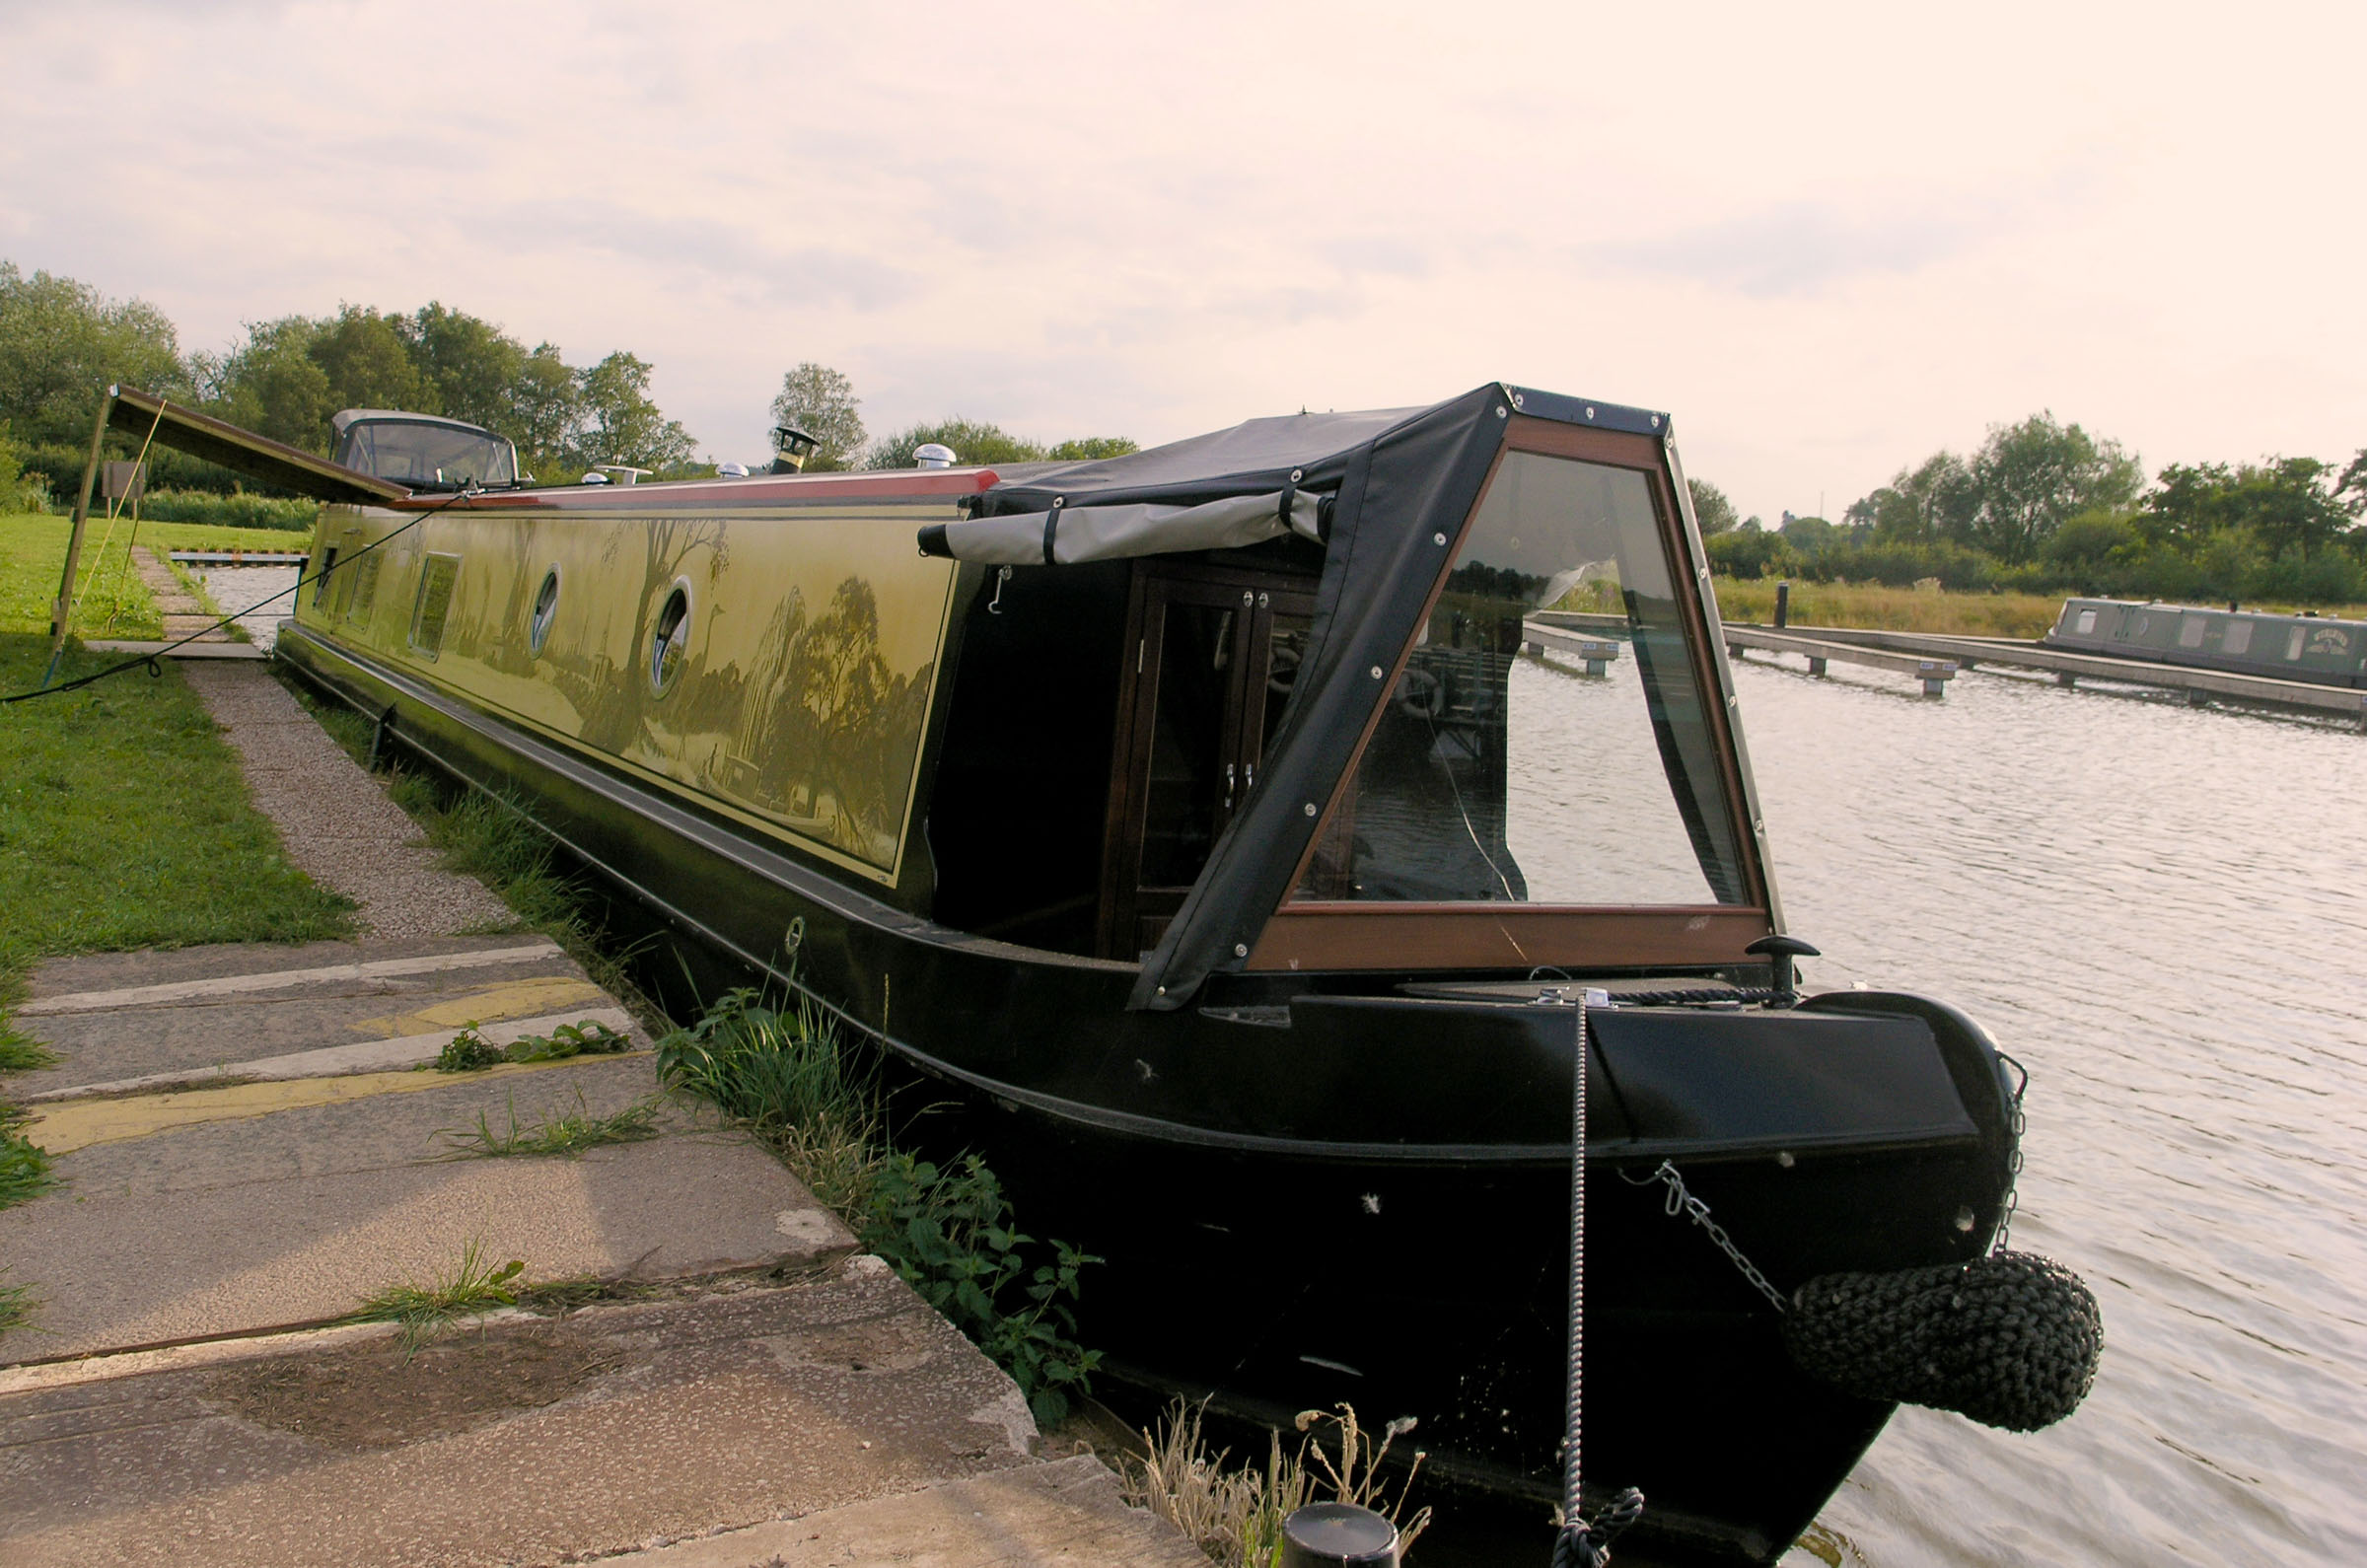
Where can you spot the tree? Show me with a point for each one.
(1711, 510)
(2034, 477)
(972, 441)
(61, 342)
(822, 402)
(272, 386)
(619, 423)
(546, 406)
(367, 362)
(2295, 504)
(469, 368)
(1093, 449)
(1935, 500)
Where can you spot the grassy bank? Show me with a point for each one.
(111, 601)
(1873, 606)
(1890, 608)
(123, 819)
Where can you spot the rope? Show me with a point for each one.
(148, 661)
(1583, 1543)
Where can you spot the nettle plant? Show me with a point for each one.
(948, 1234)
(948, 1231)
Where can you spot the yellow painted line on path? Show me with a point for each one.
(487, 1004)
(78, 1123)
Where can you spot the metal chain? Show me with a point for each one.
(1680, 1202)
(2013, 1163)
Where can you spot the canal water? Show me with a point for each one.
(2162, 913)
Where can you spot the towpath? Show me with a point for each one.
(699, 1370)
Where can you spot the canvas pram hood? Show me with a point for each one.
(1386, 492)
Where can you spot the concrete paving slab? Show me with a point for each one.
(615, 1430)
(401, 1052)
(279, 1001)
(65, 1126)
(153, 1267)
(359, 1134)
(1067, 1512)
(107, 972)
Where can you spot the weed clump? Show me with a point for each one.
(470, 1052)
(947, 1231)
(1235, 1515)
(16, 1307)
(471, 1290)
(564, 1135)
(24, 1167)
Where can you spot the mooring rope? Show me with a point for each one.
(1583, 1543)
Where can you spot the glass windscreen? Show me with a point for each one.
(1547, 741)
(423, 457)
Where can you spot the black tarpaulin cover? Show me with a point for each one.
(1400, 481)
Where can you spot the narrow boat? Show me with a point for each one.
(1228, 830)
(2319, 649)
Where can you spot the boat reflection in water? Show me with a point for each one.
(1214, 827)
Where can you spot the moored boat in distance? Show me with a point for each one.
(1210, 828)
(2318, 649)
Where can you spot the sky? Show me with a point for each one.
(1827, 239)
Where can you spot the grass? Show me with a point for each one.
(1234, 1514)
(111, 601)
(124, 823)
(16, 1307)
(789, 1079)
(23, 1168)
(476, 1287)
(564, 1135)
(1871, 604)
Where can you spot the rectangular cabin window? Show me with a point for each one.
(2238, 639)
(2293, 642)
(434, 604)
(2087, 621)
(1499, 770)
(2190, 631)
(365, 584)
(329, 571)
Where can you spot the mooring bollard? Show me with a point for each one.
(1322, 1534)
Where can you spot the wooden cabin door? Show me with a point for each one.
(1211, 657)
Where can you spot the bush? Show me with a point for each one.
(1752, 552)
(241, 510)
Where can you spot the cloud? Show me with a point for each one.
(1805, 248)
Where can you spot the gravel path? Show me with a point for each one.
(334, 818)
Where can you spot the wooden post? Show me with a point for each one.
(63, 610)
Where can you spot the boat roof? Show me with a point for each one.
(354, 416)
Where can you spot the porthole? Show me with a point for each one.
(547, 609)
(670, 643)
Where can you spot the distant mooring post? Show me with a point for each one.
(1784, 605)
(63, 609)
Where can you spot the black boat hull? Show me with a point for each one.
(1306, 1196)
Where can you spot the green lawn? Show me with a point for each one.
(124, 819)
(111, 601)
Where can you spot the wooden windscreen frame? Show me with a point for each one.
(1357, 935)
